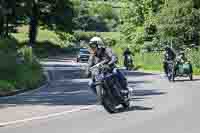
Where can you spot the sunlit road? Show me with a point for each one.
(66, 105)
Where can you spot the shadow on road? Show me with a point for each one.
(63, 90)
(63, 93)
(59, 59)
(137, 74)
(135, 108)
(186, 80)
(147, 92)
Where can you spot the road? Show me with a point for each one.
(68, 105)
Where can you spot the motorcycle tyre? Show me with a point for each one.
(105, 101)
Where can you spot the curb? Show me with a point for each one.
(44, 84)
(23, 90)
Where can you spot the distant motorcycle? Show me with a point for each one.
(108, 88)
(170, 70)
(128, 62)
(179, 70)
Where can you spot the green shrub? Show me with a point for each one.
(8, 55)
(119, 52)
(28, 77)
(8, 45)
(28, 56)
(109, 38)
(65, 39)
(6, 86)
(25, 74)
(84, 35)
(8, 66)
(104, 10)
(194, 57)
(29, 73)
(110, 41)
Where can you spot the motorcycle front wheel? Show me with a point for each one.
(105, 101)
(108, 106)
(126, 104)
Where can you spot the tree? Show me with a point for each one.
(179, 23)
(52, 14)
(34, 18)
(138, 21)
(6, 15)
(196, 4)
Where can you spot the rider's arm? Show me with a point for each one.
(91, 61)
(112, 56)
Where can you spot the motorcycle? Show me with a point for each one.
(128, 62)
(170, 70)
(108, 88)
(179, 70)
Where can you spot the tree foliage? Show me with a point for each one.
(178, 22)
(169, 21)
(52, 14)
(94, 16)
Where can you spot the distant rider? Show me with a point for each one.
(182, 59)
(127, 53)
(169, 55)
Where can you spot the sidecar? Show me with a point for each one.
(183, 70)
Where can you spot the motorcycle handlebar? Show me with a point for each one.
(98, 65)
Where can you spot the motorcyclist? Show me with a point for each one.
(101, 53)
(169, 55)
(181, 58)
(126, 53)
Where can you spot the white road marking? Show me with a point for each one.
(64, 93)
(45, 116)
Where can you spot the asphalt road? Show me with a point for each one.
(67, 105)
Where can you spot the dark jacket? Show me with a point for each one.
(127, 52)
(169, 54)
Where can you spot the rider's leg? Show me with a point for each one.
(165, 67)
(122, 78)
(191, 69)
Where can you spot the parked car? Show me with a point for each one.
(83, 55)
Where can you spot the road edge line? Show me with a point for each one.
(45, 116)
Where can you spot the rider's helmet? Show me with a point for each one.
(167, 48)
(127, 49)
(96, 42)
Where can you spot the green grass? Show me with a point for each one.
(111, 35)
(48, 42)
(43, 35)
(149, 61)
(153, 61)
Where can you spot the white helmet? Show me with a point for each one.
(96, 40)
